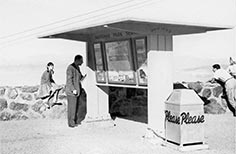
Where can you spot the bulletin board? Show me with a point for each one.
(119, 62)
(141, 55)
(100, 72)
(122, 61)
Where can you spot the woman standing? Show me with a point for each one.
(48, 88)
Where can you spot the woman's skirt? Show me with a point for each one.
(44, 91)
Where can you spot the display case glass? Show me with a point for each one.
(100, 73)
(141, 54)
(120, 62)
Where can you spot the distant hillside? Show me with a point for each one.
(185, 69)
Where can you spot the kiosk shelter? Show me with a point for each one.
(136, 52)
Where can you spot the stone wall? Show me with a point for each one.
(20, 103)
(128, 101)
(212, 95)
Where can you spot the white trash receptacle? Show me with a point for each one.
(184, 120)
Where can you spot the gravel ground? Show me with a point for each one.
(54, 137)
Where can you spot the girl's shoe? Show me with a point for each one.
(47, 105)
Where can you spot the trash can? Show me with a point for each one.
(184, 120)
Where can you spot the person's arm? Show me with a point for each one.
(83, 77)
(213, 80)
(50, 77)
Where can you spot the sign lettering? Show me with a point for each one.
(184, 118)
(114, 35)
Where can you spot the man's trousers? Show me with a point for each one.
(230, 87)
(76, 110)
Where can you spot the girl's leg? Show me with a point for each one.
(53, 97)
(49, 101)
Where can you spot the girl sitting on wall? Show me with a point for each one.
(48, 88)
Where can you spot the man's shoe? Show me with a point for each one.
(77, 124)
(71, 126)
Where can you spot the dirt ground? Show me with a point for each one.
(48, 136)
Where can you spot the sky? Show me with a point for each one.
(23, 57)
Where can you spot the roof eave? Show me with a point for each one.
(202, 27)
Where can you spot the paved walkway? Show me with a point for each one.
(54, 137)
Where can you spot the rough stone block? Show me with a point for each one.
(214, 107)
(34, 115)
(12, 93)
(3, 104)
(18, 106)
(196, 86)
(26, 96)
(5, 116)
(122, 107)
(36, 96)
(217, 91)
(125, 107)
(206, 92)
(30, 89)
(19, 116)
(139, 111)
(37, 107)
(2, 91)
(139, 101)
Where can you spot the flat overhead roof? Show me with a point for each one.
(132, 25)
(173, 17)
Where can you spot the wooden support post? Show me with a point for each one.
(160, 84)
(97, 96)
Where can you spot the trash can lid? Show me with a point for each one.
(184, 97)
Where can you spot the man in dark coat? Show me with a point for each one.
(75, 93)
